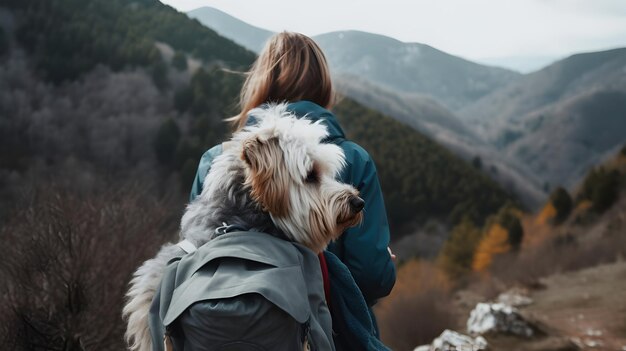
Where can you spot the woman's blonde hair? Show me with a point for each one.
(291, 67)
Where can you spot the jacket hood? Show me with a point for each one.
(314, 112)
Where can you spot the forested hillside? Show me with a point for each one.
(421, 180)
(67, 38)
(83, 81)
(102, 106)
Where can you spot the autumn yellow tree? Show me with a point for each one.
(503, 233)
(494, 242)
(546, 215)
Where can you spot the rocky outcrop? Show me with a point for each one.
(498, 318)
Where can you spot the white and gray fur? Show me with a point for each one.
(317, 212)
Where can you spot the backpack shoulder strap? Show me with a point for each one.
(325, 277)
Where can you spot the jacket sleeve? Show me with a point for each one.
(364, 248)
(203, 170)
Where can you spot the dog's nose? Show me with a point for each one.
(357, 204)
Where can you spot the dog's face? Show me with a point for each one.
(292, 176)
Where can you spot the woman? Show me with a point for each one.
(293, 68)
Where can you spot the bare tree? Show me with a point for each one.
(66, 260)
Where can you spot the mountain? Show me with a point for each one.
(545, 127)
(403, 67)
(522, 64)
(251, 37)
(560, 120)
(412, 67)
(436, 122)
(418, 111)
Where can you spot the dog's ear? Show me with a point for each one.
(267, 176)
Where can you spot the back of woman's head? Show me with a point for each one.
(291, 67)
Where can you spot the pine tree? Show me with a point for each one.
(457, 255)
(166, 142)
(563, 204)
(601, 187)
(179, 61)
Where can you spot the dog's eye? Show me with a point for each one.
(312, 176)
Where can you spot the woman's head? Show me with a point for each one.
(291, 67)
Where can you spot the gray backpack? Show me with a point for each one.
(242, 291)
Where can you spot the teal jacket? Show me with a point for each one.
(362, 249)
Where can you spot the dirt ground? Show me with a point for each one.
(582, 310)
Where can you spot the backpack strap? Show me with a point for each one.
(187, 246)
(325, 277)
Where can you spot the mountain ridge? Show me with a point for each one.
(557, 108)
(360, 53)
(251, 37)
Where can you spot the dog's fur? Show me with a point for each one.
(275, 177)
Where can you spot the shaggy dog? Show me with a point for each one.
(275, 177)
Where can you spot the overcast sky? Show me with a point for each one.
(474, 29)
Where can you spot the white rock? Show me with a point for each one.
(515, 298)
(593, 343)
(450, 340)
(498, 318)
(593, 332)
(578, 342)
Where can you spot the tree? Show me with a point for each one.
(179, 61)
(509, 221)
(601, 187)
(70, 259)
(183, 98)
(504, 233)
(563, 204)
(457, 254)
(477, 162)
(188, 149)
(4, 42)
(158, 71)
(495, 242)
(166, 142)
